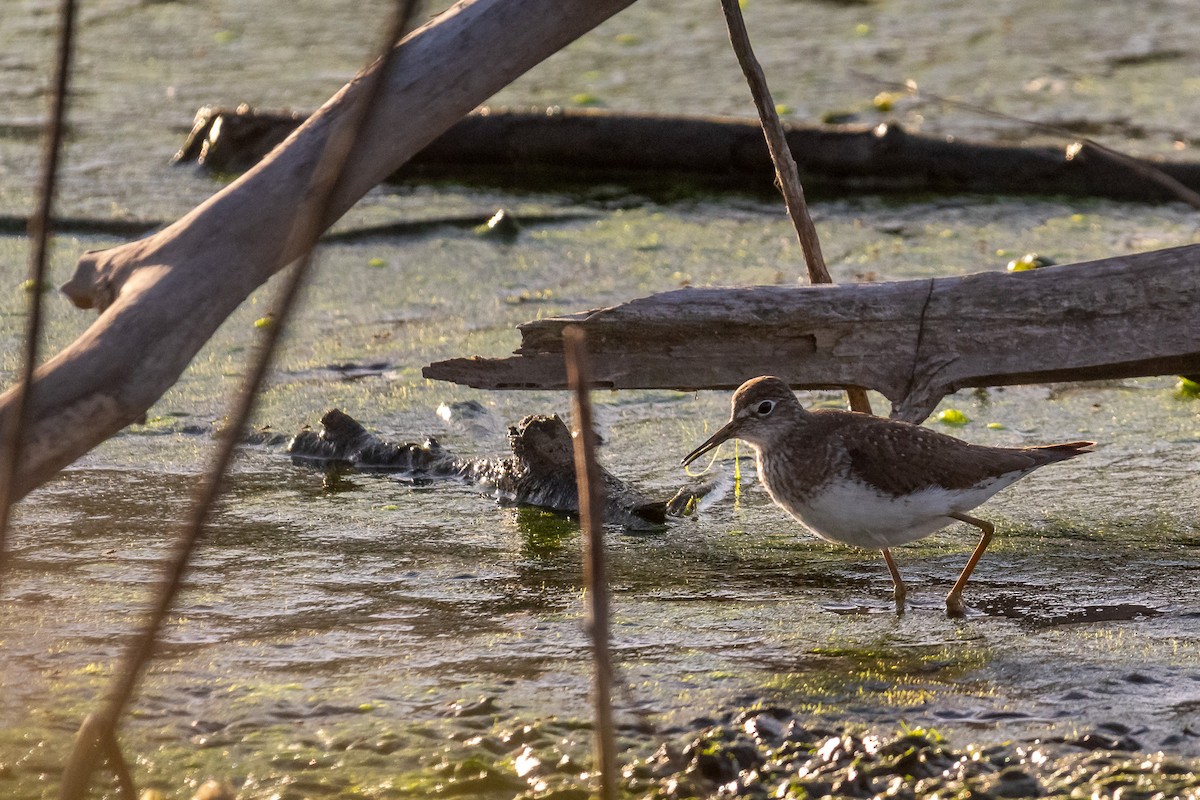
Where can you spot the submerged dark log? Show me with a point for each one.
(561, 144)
(18, 225)
(913, 341)
(540, 471)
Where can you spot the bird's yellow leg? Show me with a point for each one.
(954, 603)
(896, 580)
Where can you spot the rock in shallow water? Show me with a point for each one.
(215, 790)
(540, 471)
(744, 758)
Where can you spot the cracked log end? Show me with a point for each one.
(90, 286)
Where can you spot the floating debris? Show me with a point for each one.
(1029, 261)
(540, 471)
(502, 225)
(952, 417)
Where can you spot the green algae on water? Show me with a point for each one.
(1029, 261)
(1187, 389)
(952, 417)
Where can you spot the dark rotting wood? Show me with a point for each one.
(16, 225)
(539, 472)
(565, 144)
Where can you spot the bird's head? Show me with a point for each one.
(763, 409)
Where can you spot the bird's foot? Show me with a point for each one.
(955, 607)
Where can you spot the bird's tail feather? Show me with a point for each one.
(1061, 452)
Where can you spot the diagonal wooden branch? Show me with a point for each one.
(913, 341)
(77, 776)
(787, 176)
(162, 297)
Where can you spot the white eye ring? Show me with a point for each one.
(765, 407)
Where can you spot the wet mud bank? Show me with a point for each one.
(478, 749)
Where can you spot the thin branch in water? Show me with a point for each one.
(786, 173)
(305, 229)
(595, 571)
(1147, 171)
(39, 231)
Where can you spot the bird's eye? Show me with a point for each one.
(765, 407)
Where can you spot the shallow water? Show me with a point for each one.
(369, 606)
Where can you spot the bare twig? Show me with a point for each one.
(785, 166)
(786, 173)
(39, 232)
(305, 230)
(1147, 171)
(595, 578)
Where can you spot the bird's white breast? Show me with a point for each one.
(857, 514)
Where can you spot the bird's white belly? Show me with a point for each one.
(861, 516)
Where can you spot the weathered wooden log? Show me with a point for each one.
(163, 296)
(913, 341)
(548, 144)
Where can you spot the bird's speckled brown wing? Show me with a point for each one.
(898, 457)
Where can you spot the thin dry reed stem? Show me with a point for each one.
(13, 441)
(595, 570)
(100, 728)
(787, 176)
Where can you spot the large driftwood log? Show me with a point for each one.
(558, 144)
(162, 297)
(913, 341)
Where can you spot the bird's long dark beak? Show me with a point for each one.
(725, 433)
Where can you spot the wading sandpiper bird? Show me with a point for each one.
(872, 482)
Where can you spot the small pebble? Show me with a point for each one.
(1140, 679)
(481, 707)
(501, 226)
(1014, 782)
(215, 790)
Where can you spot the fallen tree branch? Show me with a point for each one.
(912, 341)
(163, 296)
(544, 145)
